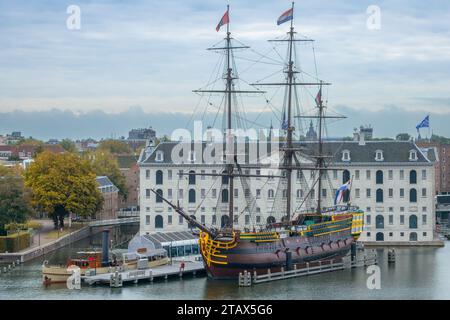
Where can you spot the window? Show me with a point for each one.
(203, 219)
(379, 155)
(391, 209)
(368, 209)
(147, 220)
(357, 193)
(159, 156)
(247, 219)
(312, 193)
(159, 177)
(424, 209)
(391, 193)
(159, 222)
(235, 219)
(412, 155)
(368, 193)
(224, 195)
(379, 236)
(147, 209)
(402, 219)
(345, 155)
(424, 192)
(345, 176)
(357, 174)
(413, 195)
(379, 177)
(270, 194)
(180, 174)
(379, 222)
(169, 193)
(390, 174)
(191, 196)
(159, 195)
(169, 219)
(335, 174)
(203, 193)
(424, 219)
(413, 221)
(169, 174)
(214, 193)
(324, 193)
(402, 174)
(424, 174)
(379, 196)
(214, 219)
(258, 193)
(236, 193)
(368, 234)
(413, 177)
(180, 219)
(192, 177)
(368, 219)
(391, 219)
(368, 174)
(258, 219)
(147, 174)
(402, 193)
(258, 173)
(402, 209)
(147, 193)
(224, 178)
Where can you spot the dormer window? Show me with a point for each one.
(345, 155)
(159, 156)
(379, 155)
(413, 155)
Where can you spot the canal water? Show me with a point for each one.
(419, 273)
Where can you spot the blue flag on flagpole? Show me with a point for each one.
(424, 124)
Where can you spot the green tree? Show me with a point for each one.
(31, 142)
(403, 137)
(114, 146)
(63, 183)
(69, 145)
(105, 164)
(14, 198)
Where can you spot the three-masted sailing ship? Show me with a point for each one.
(311, 235)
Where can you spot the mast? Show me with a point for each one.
(290, 128)
(320, 158)
(230, 136)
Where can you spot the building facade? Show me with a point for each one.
(442, 164)
(110, 195)
(392, 181)
(130, 170)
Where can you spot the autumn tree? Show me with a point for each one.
(69, 145)
(114, 146)
(14, 198)
(62, 184)
(105, 164)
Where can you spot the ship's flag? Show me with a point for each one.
(319, 97)
(225, 20)
(286, 16)
(424, 124)
(340, 192)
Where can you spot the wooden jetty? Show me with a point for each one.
(116, 278)
(366, 258)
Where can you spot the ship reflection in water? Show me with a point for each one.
(419, 273)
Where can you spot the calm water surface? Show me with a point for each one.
(419, 273)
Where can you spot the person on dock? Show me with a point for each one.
(182, 265)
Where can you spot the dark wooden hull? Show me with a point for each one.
(259, 257)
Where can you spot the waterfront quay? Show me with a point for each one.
(418, 273)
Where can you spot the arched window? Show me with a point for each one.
(413, 236)
(379, 222)
(159, 222)
(379, 177)
(224, 221)
(413, 195)
(379, 197)
(284, 193)
(270, 219)
(159, 177)
(413, 177)
(191, 196)
(270, 194)
(159, 195)
(299, 193)
(192, 177)
(413, 221)
(380, 236)
(345, 176)
(224, 195)
(224, 178)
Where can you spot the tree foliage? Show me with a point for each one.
(14, 198)
(69, 145)
(105, 164)
(403, 137)
(114, 146)
(440, 139)
(63, 183)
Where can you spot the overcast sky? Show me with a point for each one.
(152, 54)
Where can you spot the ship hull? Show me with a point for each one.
(259, 257)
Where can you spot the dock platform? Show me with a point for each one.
(116, 279)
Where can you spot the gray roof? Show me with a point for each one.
(104, 181)
(393, 151)
(161, 237)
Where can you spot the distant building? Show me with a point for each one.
(13, 138)
(53, 141)
(443, 210)
(22, 152)
(442, 163)
(86, 145)
(367, 131)
(139, 137)
(130, 170)
(111, 198)
(311, 135)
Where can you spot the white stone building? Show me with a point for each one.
(392, 181)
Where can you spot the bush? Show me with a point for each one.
(15, 242)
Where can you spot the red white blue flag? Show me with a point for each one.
(319, 97)
(288, 15)
(225, 20)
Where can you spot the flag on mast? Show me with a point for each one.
(319, 97)
(424, 124)
(225, 20)
(286, 16)
(340, 192)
